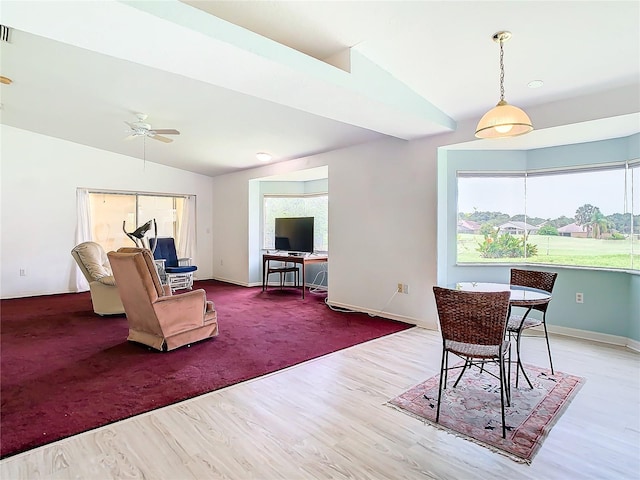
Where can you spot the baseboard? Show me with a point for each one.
(234, 282)
(594, 336)
(277, 284)
(633, 345)
(317, 287)
(569, 332)
(377, 313)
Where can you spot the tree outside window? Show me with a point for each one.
(279, 206)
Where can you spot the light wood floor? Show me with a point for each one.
(327, 419)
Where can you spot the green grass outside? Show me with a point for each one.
(556, 250)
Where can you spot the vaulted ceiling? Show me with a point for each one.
(298, 78)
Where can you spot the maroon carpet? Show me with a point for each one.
(65, 370)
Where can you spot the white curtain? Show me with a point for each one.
(83, 233)
(187, 235)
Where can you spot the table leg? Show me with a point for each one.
(303, 281)
(264, 273)
(519, 366)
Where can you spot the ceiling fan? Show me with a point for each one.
(142, 129)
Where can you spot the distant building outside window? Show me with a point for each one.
(586, 217)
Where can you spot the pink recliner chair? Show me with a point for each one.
(156, 317)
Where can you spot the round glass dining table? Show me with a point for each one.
(520, 296)
(526, 297)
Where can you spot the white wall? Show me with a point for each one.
(40, 176)
(236, 240)
(382, 217)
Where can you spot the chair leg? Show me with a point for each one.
(446, 370)
(508, 378)
(502, 395)
(467, 363)
(442, 381)
(509, 369)
(546, 335)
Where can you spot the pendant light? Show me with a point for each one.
(503, 120)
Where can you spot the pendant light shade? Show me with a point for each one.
(503, 120)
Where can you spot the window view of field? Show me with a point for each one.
(580, 218)
(587, 252)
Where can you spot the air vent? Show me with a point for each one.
(5, 34)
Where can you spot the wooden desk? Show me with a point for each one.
(303, 260)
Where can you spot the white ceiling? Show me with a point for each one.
(236, 78)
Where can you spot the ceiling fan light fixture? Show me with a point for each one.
(503, 120)
(143, 129)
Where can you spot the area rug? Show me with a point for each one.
(472, 409)
(66, 370)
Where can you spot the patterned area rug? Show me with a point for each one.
(472, 409)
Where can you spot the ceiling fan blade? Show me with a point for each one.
(130, 125)
(161, 138)
(130, 137)
(166, 131)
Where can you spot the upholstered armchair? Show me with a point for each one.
(94, 265)
(156, 317)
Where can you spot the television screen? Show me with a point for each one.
(294, 234)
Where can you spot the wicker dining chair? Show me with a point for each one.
(533, 279)
(473, 326)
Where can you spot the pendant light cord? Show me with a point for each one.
(501, 71)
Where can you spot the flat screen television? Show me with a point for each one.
(294, 234)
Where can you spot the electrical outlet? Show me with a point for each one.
(23, 272)
(579, 298)
(405, 289)
(399, 288)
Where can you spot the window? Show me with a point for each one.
(633, 197)
(109, 210)
(585, 217)
(315, 205)
(484, 204)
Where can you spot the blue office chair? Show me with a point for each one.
(175, 272)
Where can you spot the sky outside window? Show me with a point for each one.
(548, 196)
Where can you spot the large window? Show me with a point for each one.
(585, 217)
(316, 206)
(109, 210)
